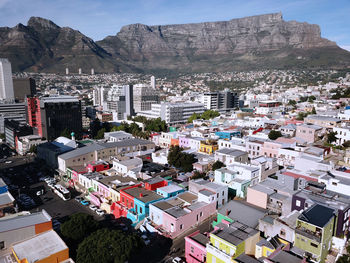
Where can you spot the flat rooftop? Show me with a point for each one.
(39, 247)
(143, 194)
(24, 221)
(200, 239)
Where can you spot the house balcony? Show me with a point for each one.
(316, 236)
(218, 253)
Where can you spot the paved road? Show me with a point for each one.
(58, 208)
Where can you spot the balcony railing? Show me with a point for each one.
(317, 236)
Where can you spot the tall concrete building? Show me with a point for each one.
(173, 113)
(6, 83)
(144, 97)
(153, 82)
(23, 87)
(50, 116)
(220, 100)
(117, 99)
(11, 111)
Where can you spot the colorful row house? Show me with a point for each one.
(173, 217)
(208, 147)
(230, 241)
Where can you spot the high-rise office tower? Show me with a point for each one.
(50, 116)
(23, 87)
(144, 97)
(220, 101)
(6, 83)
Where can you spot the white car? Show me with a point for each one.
(99, 212)
(8, 162)
(177, 260)
(93, 207)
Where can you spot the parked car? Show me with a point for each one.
(78, 199)
(8, 162)
(93, 207)
(100, 212)
(84, 202)
(178, 260)
(146, 240)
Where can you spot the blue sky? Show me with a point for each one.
(100, 18)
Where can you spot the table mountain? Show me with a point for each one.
(257, 42)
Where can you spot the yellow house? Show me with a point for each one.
(208, 147)
(266, 247)
(230, 242)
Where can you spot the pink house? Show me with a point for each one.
(195, 247)
(270, 148)
(178, 220)
(308, 132)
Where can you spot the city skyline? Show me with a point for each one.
(98, 19)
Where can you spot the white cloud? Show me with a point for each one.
(347, 47)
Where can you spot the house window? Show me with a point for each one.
(140, 210)
(201, 214)
(181, 226)
(282, 232)
(2, 245)
(192, 250)
(298, 203)
(314, 245)
(334, 183)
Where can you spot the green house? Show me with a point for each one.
(314, 232)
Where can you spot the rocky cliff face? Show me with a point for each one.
(257, 42)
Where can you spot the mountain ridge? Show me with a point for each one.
(255, 42)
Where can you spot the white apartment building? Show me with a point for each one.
(6, 83)
(343, 134)
(173, 113)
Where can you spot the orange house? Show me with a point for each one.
(174, 142)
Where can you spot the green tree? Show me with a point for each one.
(313, 111)
(66, 133)
(301, 116)
(197, 175)
(331, 137)
(181, 160)
(100, 134)
(108, 246)
(217, 165)
(292, 102)
(345, 258)
(78, 226)
(2, 136)
(210, 114)
(311, 99)
(273, 134)
(193, 117)
(33, 149)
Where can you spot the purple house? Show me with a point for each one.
(184, 142)
(306, 198)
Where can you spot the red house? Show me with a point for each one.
(154, 183)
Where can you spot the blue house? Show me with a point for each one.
(142, 199)
(170, 190)
(227, 135)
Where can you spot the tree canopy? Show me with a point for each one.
(78, 226)
(207, 115)
(273, 135)
(331, 137)
(217, 165)
(108, 246)
(180, 159)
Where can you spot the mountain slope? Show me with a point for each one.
(265, 41)
(257, 42)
